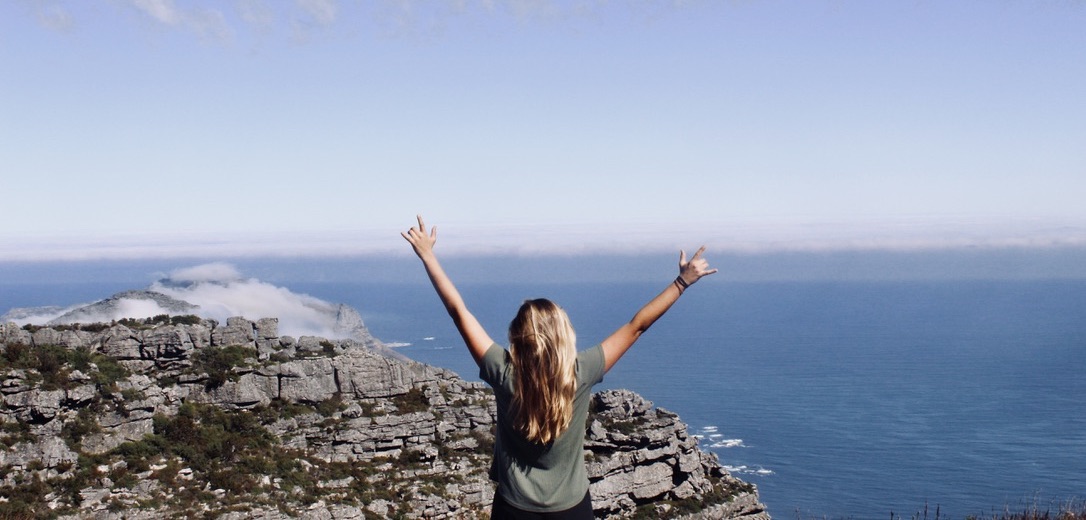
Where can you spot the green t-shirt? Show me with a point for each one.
(540, 477)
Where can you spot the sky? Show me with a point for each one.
(157, 128)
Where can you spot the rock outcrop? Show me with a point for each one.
(233, 421)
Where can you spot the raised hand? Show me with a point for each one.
(421, 242)
(695, 269)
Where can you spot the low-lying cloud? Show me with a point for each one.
(230, 295)
(753, 236)
(216, 291)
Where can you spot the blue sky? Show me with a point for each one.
(134, 128)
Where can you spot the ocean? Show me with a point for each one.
(837, 399)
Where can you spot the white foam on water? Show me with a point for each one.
(728, 443)
(748, 470)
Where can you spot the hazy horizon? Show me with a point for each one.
(749, 236)
(948, 264)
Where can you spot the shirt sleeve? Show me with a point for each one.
(492, 366)
(590, 365)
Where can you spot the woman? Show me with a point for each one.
(542, 386)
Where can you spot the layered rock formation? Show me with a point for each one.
(192, 417)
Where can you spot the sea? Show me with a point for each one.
(838, 399)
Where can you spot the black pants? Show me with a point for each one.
(503, 510)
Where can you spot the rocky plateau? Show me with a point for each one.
(180, 417)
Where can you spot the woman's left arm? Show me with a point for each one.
(475, 337)
(616, 345)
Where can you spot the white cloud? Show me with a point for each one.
(256, 13)
(219, 292)
(210, 24)
(213, 272)
(322, 11)
(222, 298)
(299, 314)
(163, 11)
(56, 18)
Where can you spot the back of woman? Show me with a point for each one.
(539, 443)
(542, 386)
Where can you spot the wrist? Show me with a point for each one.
(681, 284)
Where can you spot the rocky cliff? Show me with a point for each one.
(182, 417)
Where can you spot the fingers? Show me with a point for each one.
(417, 235)
(698, 254)
(412, 234)
(697, 265)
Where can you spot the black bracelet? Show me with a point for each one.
(682, 283)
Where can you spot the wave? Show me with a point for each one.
(748, 470)
(728, 443)
(712, 434)
(397, 344)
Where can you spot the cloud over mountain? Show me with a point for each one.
(217, 291)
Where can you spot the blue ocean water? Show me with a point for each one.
(838, 399)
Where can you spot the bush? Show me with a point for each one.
(55, 364)
(413, 401)
(219, 363)
(84, 423)
(330, 406)
(12, 433)
(187, 319)
(280, 409)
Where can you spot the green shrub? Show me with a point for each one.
(27, 499)
(123, 477)
(219, 363)
(330, 406)
(84, 423)
(12, 433)
(187, 319)
(280, 409)
(414, 400)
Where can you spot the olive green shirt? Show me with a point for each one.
(540, 477)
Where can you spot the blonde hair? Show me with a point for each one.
(543, 347)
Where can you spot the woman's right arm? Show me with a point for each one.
(622, 339)
(476, 339)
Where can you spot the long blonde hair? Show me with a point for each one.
(543, 347)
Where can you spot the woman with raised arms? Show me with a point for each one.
(543, 385)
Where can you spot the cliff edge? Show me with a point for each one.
(184, 416)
